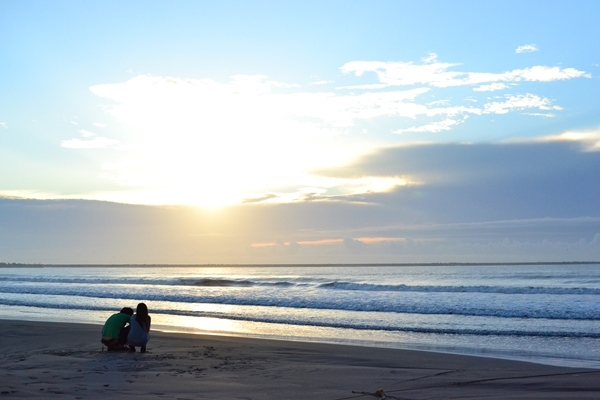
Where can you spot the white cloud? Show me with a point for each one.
(492, 87)
(229, 139)
(433, 127)
(86, 134)
(99, 125)
(545, 115)
(438, 102)
(431, 57)
(519, 102)
(541, 73)
(204, 101)
(436, 74)
(403, 73)
(364, 87)
(322, 82)
(528, 48)
(452, 111)
(3, 125)
(74, 123)
(95, 143)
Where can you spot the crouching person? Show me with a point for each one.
(139, 332)
(115, 330)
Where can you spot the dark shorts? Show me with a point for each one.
(110, 342)
(120, 341)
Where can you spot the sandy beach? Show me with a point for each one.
(59, 360)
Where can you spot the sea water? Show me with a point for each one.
(540, 313)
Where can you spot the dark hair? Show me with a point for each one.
(127, 310)
(142, 317)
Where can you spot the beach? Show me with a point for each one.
(63, 360)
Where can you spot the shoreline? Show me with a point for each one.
(43, 358)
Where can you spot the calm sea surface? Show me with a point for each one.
(543, 313)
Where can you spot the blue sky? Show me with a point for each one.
(356, 128)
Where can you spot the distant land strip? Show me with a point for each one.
(440, 264)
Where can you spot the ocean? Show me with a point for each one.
(547, 314)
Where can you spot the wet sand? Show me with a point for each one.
(66, 361)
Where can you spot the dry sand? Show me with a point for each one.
(64, 361)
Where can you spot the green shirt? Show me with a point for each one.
(114, 324)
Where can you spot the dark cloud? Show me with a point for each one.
(453, 162)
(486, 182)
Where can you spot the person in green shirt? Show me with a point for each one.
(115, 331)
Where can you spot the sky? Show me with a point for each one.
(299, 132)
